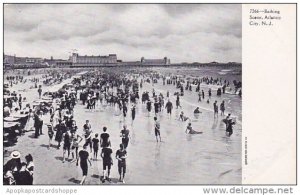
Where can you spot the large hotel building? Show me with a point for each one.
(111, 59)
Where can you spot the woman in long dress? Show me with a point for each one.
(30, 121)
(56, 117)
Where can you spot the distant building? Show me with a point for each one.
(78, 60)
(164, 61)
(51, 61)
(8, 61)
(57, 62)
(28, 61)
(128, 63)
(63, 63)
(23, 62)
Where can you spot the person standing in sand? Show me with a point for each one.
(199, 96)
(121, 156)
(84, 159)
(60, 129)
(222, 108)
(107, 162)
(88, 134)
(20, 101)
(216, 109)
(37, 123)
(67, 144)
(169, 107)
(104, 138)
(178, 102)
(75, 140)
(95, 141)
(133, 113)
(156, 107)
(50, 134)
(40, 91)
(125, 136)
(149, 107)
(30, 121)
(157, 129)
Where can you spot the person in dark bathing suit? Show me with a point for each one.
(67, 144)
(60, 129)
(132, 113)
(169, 107)
(84, 158)
(104, 138)
(107, 162)
(121, 156)
(178, 102)
(125, 136)
(156, 107)
(215, 109)
(95, 141)
(149, 107)
(222, 108)
(50, 134)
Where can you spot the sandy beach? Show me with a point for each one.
(209, 158)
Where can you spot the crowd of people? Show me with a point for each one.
(98, 89)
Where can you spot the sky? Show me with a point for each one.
(181, 32)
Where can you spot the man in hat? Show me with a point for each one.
(12, 168)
